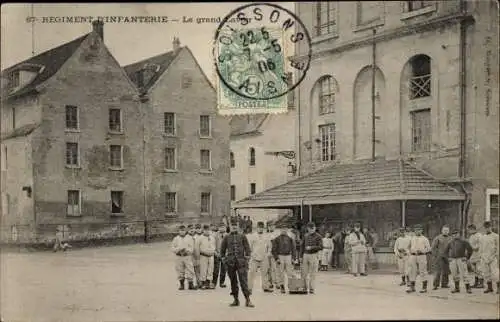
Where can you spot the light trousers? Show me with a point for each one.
(184, 267)
(417, 265)
(403, 265)
(206, 268)
(309, 269)
(358, 262)
(490, 270)
(253, 267)
(285, 267)
(458, 269)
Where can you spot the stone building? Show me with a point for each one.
(187, 154)
(85, 150)
(397, 116)
(262, 156)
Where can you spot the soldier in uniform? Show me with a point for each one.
(272, 267)
(439, 245)
(475, 265)
(459, 252)
(196, 254)
(182, 246)
(207, 252)
(260, 246)
(419, 248)
(235, 252)
(312, 244)
(401, 250)
(489, 257)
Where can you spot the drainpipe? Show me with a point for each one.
(374, 139)
(463, 125)
(144, 118)
(299, 145)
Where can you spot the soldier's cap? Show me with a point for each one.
(190, 226)
(311, 225)
(403, 229)
(197, 226)
(206, 226)
(417, 227)
(182, 227)
(357, 224)
(487, 224)
(260, 224)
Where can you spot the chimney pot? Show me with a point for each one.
(98, 27)
(176, 44)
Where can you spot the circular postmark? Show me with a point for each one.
(252, 49)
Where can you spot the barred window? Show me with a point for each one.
(116, 156)
(72, 155)
(205, 203)
(205, 161)
(73, 206)
(169, 123)
(71, 117)
(420, 81)
(170, 159)
(421, 130)
(171, 202)
(204, 125)
(115, 120)
(327, 134)
(326, 18)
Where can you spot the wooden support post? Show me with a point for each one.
(403, 213)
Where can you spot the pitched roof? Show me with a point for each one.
(246, 124)
(163, 61)
(381, 180)
(51, 60)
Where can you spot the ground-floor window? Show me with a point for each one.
(492, 209)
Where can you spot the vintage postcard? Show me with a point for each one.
(249, 161)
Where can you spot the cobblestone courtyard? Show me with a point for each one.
(137, 283)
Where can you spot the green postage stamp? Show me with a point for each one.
(253, 74)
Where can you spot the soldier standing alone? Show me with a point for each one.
(235, 252)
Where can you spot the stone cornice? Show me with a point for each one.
(387, 35)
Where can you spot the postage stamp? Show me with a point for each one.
(252, 46)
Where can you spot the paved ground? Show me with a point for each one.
(137, 283)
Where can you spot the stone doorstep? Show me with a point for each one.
(388, 283)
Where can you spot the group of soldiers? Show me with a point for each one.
(202, 255)
(472, 261)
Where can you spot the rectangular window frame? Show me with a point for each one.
(111, 157)
(13, 117)
(14, 79)
(201, 129)
(78, 207)
(121, 194)
(328, 144)
(420, 147)
(233, 192)
(489, 192)
(407, 13)
(202, 210)
(253, 188)
(71, 164)
(169, 211)
(169, 130)
(69, 110)
(166, 164)
(111, 121)
(202, 168)
(369, 24)
(331, 22)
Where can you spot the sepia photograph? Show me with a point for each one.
(249, 161)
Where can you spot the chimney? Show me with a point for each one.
(98, 27)
(176, 44)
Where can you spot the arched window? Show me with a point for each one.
(252, 156)
(420, 80)
(231, 158)
(326, 95)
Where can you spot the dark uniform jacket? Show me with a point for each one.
(314, 240)
(283, 245)
(235, 249)
(459, 248)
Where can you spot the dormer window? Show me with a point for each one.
(14, 79)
